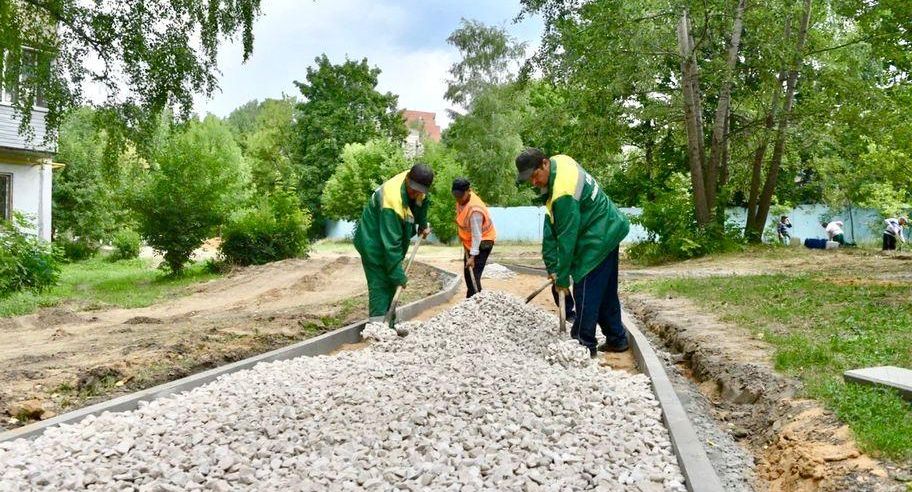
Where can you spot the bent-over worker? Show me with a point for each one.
(476, 231)
(395, 211)
(587, 230)
(893, 230)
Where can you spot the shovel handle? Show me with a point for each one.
(538, 291)
(562, 316)
(408, 266)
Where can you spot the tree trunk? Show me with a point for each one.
(769, 188)
(692, 119)
(726, 154)
(719, 133)
(759, 155)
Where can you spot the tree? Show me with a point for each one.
(265, 134)
(490, 57)
(341, 105)
(198, 179)
(83, 199)
(486, 141)
(364, 167)
(442, 212)
(147, 56)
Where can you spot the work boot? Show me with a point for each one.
(593, 353)
(610, 347)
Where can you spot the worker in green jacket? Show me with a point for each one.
(394, 213)
(582, 237)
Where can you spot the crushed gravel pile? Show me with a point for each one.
(497, 271)
(468, 401)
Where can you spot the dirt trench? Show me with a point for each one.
(798, 446)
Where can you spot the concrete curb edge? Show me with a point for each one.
(320, 345)
(698, 471)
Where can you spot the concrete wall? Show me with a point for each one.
(31, 192)
(525, 223)
(9, 131)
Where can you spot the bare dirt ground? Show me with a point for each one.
(797, 445)
(59, 359)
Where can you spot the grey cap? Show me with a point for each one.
(527, 162)
(420, 178)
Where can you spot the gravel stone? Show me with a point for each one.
(484, 396)
(497, 272)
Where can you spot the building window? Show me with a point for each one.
(29, 66)
(6, 196)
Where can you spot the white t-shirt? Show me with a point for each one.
(834, 229)
(894, 229)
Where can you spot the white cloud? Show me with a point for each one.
(291, 33)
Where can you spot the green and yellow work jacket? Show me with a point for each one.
(582, 226)
(387, 225)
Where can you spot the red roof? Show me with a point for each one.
(425, 118)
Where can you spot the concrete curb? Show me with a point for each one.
(698, 471)
(319, 345)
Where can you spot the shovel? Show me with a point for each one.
(538, 291)
(392, 310)
(474, 280)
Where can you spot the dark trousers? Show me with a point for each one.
(889, 242)
(597, 302)
(569, 308)
(477, 270)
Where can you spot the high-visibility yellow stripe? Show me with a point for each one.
(391, 196)
(567, 180)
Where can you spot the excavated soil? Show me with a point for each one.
(797, 444)
(58, 360)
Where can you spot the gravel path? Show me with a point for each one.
(468, 401)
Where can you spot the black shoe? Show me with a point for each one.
(593, 353)
(608, 347)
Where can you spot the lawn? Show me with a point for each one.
(821, 326)
(98, 283)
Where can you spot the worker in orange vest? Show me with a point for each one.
(476, 231)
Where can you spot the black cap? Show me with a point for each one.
(526, 162)
(460, 186)
(420, 178)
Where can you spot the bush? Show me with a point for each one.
(26, 261)
(126, 245)
(198, 179)
(274, 229)
(672, 228)
(77, 249)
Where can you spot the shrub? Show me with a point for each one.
(126, 244)
(198, 178)
(442, 212)
(672, 228)
(26, 261)
(77, 249)
(274, 229)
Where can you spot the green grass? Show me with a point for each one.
(820, 328)
(97, 283)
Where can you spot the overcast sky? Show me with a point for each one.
(406, 39)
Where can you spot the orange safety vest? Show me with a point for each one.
(464, 212)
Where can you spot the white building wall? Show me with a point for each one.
(32, 193)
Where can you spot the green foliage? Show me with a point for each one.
(487, 140)
(26, 262)
(341, 105)
(264, 132)
(275, 228)
(126, 245)
(364, 167)
(75, 249)
(147, 56)
(490, 57)
(672, 227)
(442, 212)
(197, 181)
